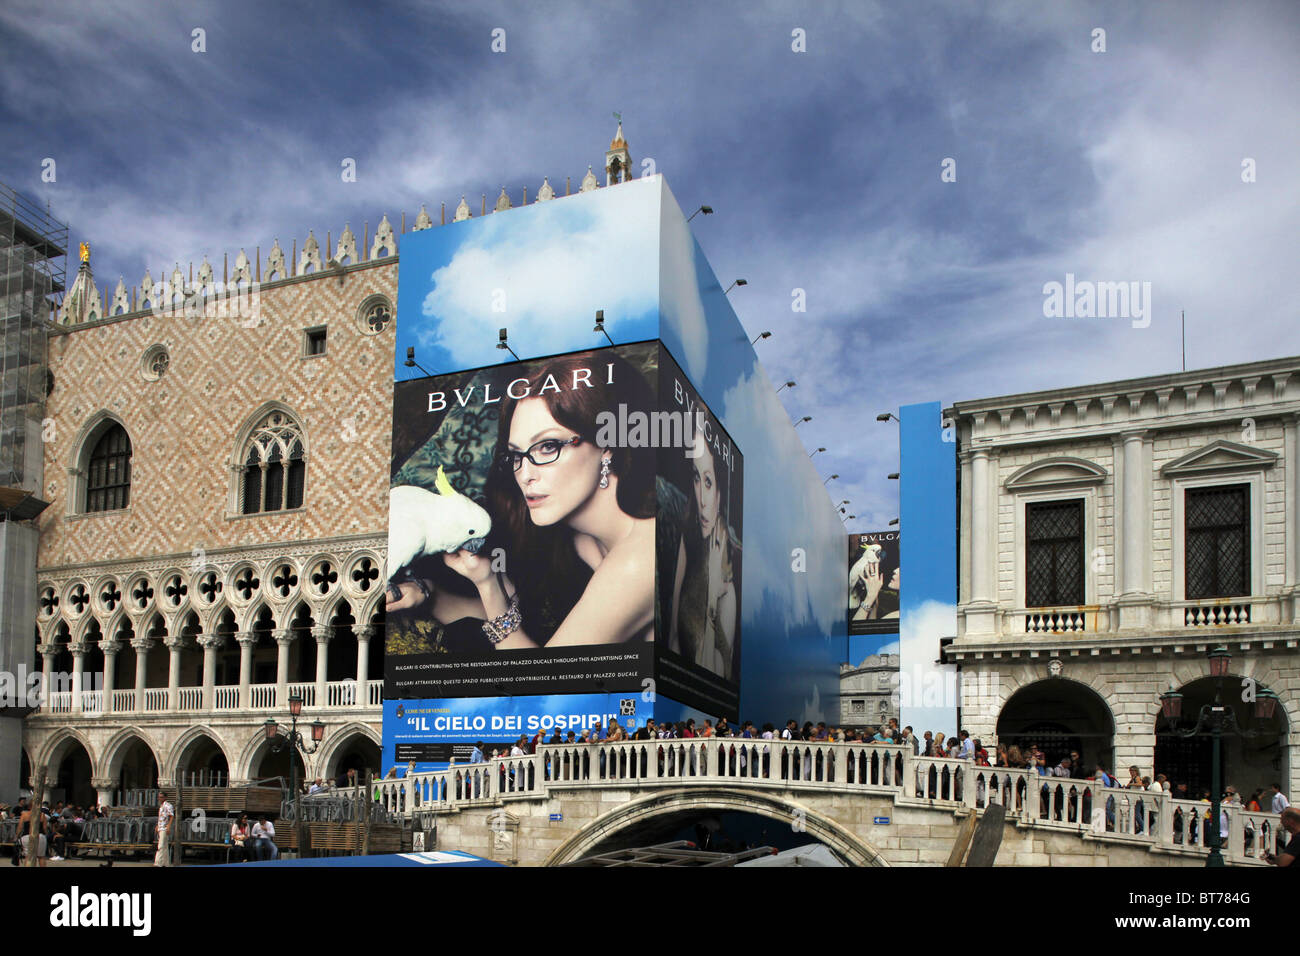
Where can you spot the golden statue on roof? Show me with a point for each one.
(85, 252)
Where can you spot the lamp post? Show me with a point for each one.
(294, 741)
(1214, 719)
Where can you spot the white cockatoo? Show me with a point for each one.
(422, 522)
(870, 553)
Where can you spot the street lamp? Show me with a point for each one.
(1213, 720)
(707, 210)
(734, 284)
(761, 335)
(806, 418)
(790, 384)
(412, 363)
(294, 741)
(600, 325)
(886, 416)
(503, 344)
(815, 453)
(830, 479)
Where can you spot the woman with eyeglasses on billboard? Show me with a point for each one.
(576, 520)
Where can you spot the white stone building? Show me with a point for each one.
(1110, 536)
(869, 691)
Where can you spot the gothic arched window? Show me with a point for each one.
(108, 472)
(274, 470)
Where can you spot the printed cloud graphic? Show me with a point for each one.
(680, 304)
(544, 276)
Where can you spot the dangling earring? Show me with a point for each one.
(604, 473)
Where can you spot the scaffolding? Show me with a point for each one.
(33, 246)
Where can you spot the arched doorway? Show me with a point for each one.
(1247, 764)
(356, 752)
(267, 765)
(203, 763)
(70, 774)
(1059, 716)
(24, 771)
(136, 767)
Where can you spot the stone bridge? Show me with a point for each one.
(873, 804)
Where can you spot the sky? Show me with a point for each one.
(824, 165)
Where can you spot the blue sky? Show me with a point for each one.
(823, 167)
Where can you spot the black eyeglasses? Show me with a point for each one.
(543, 452)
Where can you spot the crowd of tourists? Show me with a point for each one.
(59, 827)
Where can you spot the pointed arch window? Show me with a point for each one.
(108, 472)
(274, 467)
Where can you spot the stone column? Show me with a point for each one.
(246, 641)
(174, 646)
(48, 650)
(211, 643)
(283, 641)
(980, 572)
(78, 668)
(322, 633)
(1135, 533)
(110, 649)
(103, 789)
(363, 663)
(981, 610)
(1291, 431)
(141, 645)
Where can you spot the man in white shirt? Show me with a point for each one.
(967, 746)
(163, 857)
(1280, 802)
(264, 847)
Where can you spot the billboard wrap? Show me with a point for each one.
(573, 526)
(700, 494)
(874, 582)
(521, 535)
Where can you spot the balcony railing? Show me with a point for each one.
(1215, 614)
(1160, 614)
(339, 695)
(1049, 621)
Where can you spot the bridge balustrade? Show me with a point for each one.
(1058, 803)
